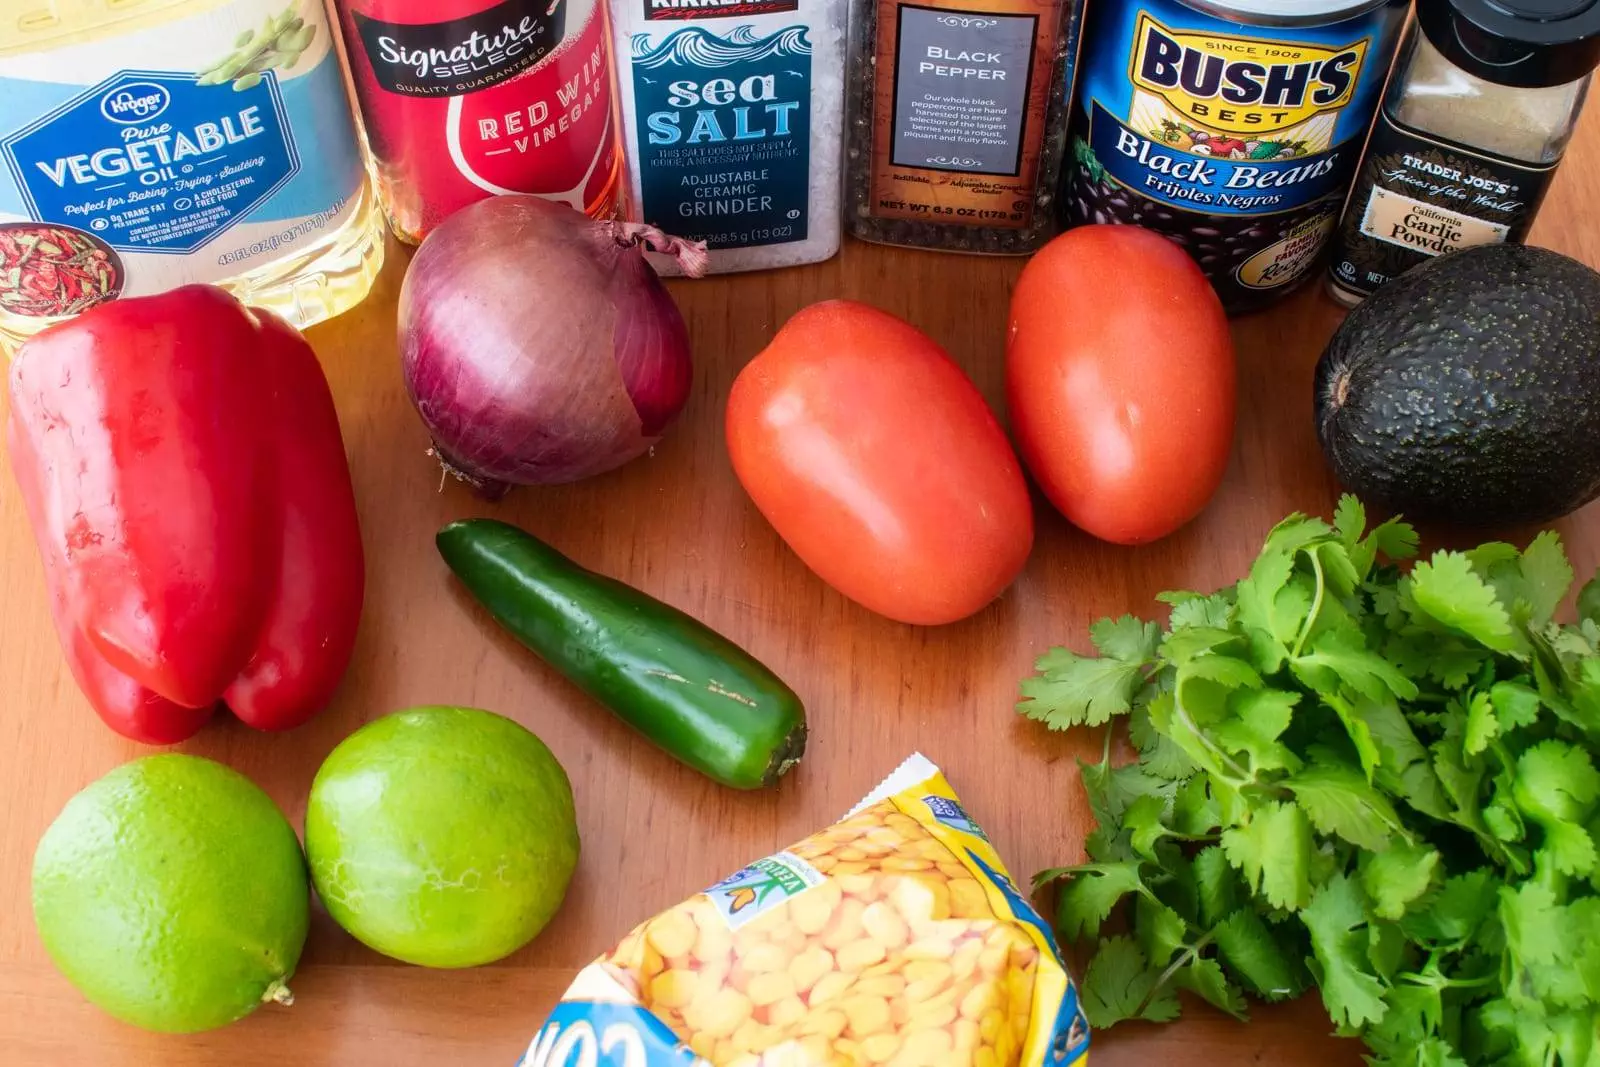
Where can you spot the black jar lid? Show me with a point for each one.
(1524, 43)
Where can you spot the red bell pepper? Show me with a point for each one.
(181, 466)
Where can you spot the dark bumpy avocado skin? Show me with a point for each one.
(1468, 389)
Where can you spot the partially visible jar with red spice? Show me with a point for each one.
(464, 99)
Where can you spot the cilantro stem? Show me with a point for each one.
(1316, 606)
(1243, 777)
(1440, 982)
(1189, 954)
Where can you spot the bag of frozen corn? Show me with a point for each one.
(892, 937)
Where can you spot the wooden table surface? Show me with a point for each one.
(677, 525)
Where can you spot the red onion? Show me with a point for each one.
(538, 345)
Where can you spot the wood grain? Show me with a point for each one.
(678, 525)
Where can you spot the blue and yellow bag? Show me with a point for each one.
(892, 937)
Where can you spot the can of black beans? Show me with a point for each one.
(1233, 127)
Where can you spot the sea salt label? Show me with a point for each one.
(725, 134)
(733, 112)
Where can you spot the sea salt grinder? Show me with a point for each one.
(732, 112)
(1473, 125)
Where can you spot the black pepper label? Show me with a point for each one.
(1417, 197)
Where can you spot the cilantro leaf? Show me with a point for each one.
(1412, 1013)
(1273, 852)
(1534, 923)
(1255, 607)
(1128, 639)
(1205, 979)
(1182, 727)
(1092, 891)
(1185, 645)
(1225, 671)
(1359, 731)
(1353, 995)
(1260, 718)
(1454, 915)
(1251, 951)
(1394, 539)
(1545, 574)
(1338, 570)
(1350, 520)
(1403, 765)
(1336, 658)
(1158, 753)
(1112, 789)
(1072, 690)
(1216, 885)
(1556, 785)
(1482, 725)
(1338, 800)
(1567, 848)
(1515, 705)
(1194, 810)
(1161, 930)
(1119, 984)
(1447, 589)
(1144, 819)
(1556, 782)
(1191, 610)
(1530, 585)
(1396, 877)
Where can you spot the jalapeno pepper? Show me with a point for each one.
(687, 688)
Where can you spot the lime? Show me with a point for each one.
(172, 893)
(442, 836)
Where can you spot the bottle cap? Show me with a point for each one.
(1528, 44)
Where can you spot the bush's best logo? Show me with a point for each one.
(1242, 85)
(135, 102)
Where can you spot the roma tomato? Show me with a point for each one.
(1120, 381)
(877, 460)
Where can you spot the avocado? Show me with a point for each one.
(1468, 389)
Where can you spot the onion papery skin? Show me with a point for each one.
(538, 346)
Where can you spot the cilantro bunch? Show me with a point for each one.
(1373, 782)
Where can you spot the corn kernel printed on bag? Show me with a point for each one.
(892, 937)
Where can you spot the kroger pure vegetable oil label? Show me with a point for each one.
(173, 143)
(1237, 140)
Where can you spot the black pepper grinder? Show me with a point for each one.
(1473, 125)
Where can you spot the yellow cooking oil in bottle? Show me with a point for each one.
(148, 144)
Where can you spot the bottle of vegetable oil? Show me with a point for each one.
(148, 144)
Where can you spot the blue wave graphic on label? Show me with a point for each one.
(1204, 183)
(724, 134)
(581, 1033)
(696, 47)
(152, 161)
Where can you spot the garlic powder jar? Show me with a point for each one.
(1473, 126)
